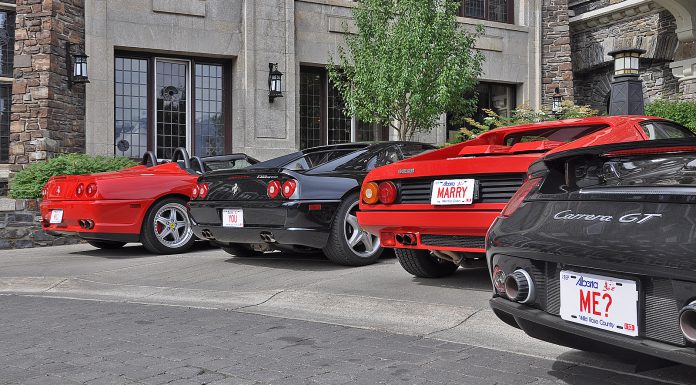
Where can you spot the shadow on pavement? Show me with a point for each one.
(472, 279)
(290, 261)
(135, 250)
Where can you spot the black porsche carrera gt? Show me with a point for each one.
(597, 250)
(305, 200)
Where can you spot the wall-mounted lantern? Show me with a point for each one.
(556, 102)
(76, 64)
(275, 82)
(626, 96)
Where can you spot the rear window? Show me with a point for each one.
(315, 159)
(662, 129)
(556, 134)
(230, 164)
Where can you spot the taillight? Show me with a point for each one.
(202, 190)
(370, 193)
(289, 188)
(387, 192)
(79, 190)
(499, 279)
(194, 192)
(44, 192)
(91, 189)
(273, 189)
(519, 196)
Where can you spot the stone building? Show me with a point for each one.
(665, 29)
(194, 73)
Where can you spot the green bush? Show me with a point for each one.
(28, 183)
(683, 113)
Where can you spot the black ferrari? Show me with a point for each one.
(597, 250)
(306, 200)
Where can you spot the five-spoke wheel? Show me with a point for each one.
(167, 228)
(348, 243)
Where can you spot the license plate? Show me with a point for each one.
(232, 218)
(601, 302)
(56, 216)
(453, 192)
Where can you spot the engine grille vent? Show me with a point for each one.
(492, 188)
(453, 241)
(662, 312)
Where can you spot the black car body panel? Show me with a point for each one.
(625, 211)
(304, 220)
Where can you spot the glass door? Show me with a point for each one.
(172, 119)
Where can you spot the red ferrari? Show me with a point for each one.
(145, 203)
(436, 208)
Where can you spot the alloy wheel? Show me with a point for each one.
(172, 226)
(360, 241)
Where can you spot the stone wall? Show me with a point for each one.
(556, 64)
(47, 116)
(20, 227)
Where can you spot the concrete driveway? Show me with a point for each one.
(380, 297)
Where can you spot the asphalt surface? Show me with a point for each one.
(74, 314)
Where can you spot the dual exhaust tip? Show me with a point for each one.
(407, 239)
(687, 322)
(86, 224)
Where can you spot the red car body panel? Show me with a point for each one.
(120, 203)
(487, 155)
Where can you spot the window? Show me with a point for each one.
(501, 98)
(7, 27)
(556, 134)
(323, 118)
(493, 10)
(660, 129)
(165, 103)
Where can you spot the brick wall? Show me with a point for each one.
(47, 117)
(20, 228)
(556, 65)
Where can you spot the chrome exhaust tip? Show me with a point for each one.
(519, 286)
(687, 322)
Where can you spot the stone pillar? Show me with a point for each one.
(47, 117)
(556, 65)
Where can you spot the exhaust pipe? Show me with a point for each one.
(81, 222)
(407, 239)
(89, 224)
(519, 286)
(267, 237)
(687, 322)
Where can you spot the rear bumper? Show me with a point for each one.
(285, 223)
(109, 216)
(544, 326)
(434, 230)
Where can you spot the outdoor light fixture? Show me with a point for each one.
(556, 102)
(275, 83)
(626, 61)
(76, 65)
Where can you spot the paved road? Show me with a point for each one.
(254, 307)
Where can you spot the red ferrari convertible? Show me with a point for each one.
(435, 208)
(145, 203)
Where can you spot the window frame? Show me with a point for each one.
(151, 85)
(486, 7)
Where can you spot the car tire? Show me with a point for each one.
(348, 244)
(239, 250)
(107, 245)
(423, 265)
(164, 232)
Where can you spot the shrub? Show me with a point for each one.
(683, 113)
(28, 183)
(521, 115)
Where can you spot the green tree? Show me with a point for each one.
(409, 62)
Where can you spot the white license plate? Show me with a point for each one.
(453, 192)
(56, 216)
(601, 302)
(232, 218)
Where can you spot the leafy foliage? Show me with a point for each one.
(681, 112)
(29, 182)
(523, 114)
(409, 63)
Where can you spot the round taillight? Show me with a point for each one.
(387, 192)
(499, 279)
(202, 190)
(370, 193)
(80, 189)
(44, 192)
(91, 189)
(194, 192)
(273, 189)
(289, 187)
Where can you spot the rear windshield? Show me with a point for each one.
(316, 159)
(662, 129)
(556, 134)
